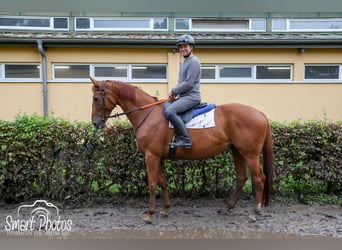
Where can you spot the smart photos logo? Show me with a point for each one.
(41, 217)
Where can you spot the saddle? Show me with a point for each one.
(202, 116)
(202, 108)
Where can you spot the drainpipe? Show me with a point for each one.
(45, 97)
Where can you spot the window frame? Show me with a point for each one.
(68, 79)
(3, 77)
(329, 80)
(51, 23)
(249, 24)
(92, 21)
(129, 77)
(288, 23)
(94, 66)
(252, 79)
(149, 79)
(274, 66)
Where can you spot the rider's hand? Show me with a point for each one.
(171, 95)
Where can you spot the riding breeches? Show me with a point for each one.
(179, 106)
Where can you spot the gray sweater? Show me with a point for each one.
(189, 79)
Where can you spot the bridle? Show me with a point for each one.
(151, 105)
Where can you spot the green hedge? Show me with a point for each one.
(308, 158)
(55, 159)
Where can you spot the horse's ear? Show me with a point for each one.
(95, 82)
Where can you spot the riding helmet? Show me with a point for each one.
(185, 39)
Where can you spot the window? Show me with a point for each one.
(34, 23)
(70, 71)
(257, 24)
(134, 23)
(149, 72)
(203, 24)
(328, 24)
(219, 24)
(273, 72)
(82, 23)
(236, 73)
(227, 72)
(121, 24)
(19, 71)
(208, 72)
(113, 71)
(320, 72)
(279, 25)
(122, 72)
(160, 23)
(60, 23)
(182, 24)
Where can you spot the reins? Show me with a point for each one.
(150, 105)
(141, 108)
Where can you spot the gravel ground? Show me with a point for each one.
(188, 219)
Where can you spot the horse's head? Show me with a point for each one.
(102, 104)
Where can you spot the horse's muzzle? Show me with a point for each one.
(99, 123)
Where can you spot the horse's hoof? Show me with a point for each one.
(223, 211)
(257, 211)
(164, 214)
(147, 219)
(251, 219)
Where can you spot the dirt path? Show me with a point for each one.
(190, 219)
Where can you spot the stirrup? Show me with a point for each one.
(183, 143)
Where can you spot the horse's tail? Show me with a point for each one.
(268, 164)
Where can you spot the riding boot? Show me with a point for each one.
(183, 142)
(181, 131)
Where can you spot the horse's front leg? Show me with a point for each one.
(152, 165)
(162, 181)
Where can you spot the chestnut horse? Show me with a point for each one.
(242, 128)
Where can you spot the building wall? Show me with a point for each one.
(279, 101)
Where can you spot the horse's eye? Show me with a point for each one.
(95, 98)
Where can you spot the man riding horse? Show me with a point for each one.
(187, 92)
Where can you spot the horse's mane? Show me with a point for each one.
(129, 91)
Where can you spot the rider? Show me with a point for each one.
(187, 92)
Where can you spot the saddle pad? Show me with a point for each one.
(205, 120)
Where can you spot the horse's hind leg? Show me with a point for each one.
(241, 177)
(259, 180)
(162, 181)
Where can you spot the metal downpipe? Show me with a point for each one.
(45, 90)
